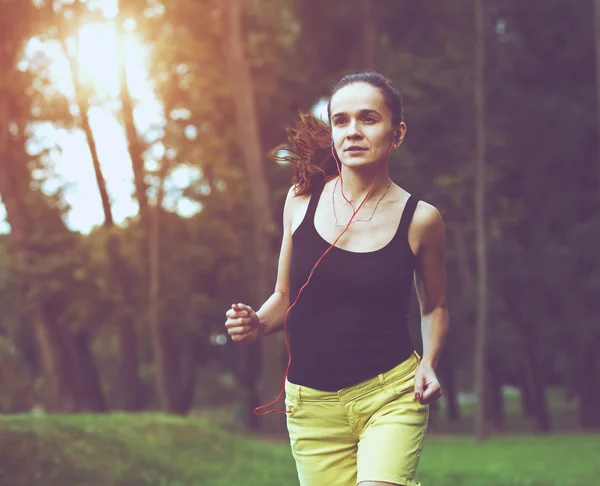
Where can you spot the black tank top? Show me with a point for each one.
(351, 321)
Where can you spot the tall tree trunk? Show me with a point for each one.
(263, 226)
(450, 389)
(481, 429)
(536, 389)
(89, 389)
(462, 255)
(129, 386)
(495, 398)
(588, 385)
(168, 383)
(165, 354)
(526, 398)
(533, 384)
(369, 35)
(134, 142)
(597, 42)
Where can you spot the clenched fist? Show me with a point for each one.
(243, 325)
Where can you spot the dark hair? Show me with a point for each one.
(309, 149)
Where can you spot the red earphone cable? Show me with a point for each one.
(285, 338)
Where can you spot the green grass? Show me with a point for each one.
(159, 450)
(557, 460)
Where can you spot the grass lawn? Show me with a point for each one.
(159, 450)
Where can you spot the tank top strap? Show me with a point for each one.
(407, 215)
(316, 191)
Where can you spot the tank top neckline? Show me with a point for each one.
(401, 229)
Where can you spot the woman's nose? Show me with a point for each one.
(353, 129)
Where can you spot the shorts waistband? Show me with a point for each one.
(303, 393)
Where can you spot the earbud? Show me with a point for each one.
(397, 138)
(332, 143)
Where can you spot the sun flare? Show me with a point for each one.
(97, 59)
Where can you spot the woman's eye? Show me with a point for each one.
(370, 119)
(339, 121)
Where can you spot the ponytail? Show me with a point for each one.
(309, 152)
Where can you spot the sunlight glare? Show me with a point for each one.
(110, 8)
(97, 57)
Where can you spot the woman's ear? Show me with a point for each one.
(400, 134)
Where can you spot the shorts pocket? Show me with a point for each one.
(404, 385)
(291, 405)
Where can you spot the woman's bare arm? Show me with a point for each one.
(272, 312)
(430, 282)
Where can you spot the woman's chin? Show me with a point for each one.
(358, 162)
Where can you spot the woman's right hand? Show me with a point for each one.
(243, 325)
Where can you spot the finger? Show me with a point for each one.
(436, 396)
(238, 331)
(418, 386)
(432, 393)
(244, 322)
(431, 388)
(242, 338)
(239, 339)
(244, 307)
(231, 314)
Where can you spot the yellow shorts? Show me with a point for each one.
(372, 431)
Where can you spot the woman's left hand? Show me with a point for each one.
(427, 386)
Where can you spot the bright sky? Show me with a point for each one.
(71, 157)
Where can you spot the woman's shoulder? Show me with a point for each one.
(427, 223)
(295, 202)
(425, 214)
(295, 196)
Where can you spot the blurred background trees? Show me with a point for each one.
(130, 314)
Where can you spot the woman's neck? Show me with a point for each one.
(356, 184)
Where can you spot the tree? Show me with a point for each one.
(247, 123)
(597, 42)
(480, 187)
(18, 21)
(130, 385)
(369, 35)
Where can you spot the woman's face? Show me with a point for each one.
(361, 125)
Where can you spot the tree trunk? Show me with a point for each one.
(89, 389)
(250, 144)
(532, 380)
(495, 398)
(168, 382)
(369, 35)
(134, 141)
(165, 355)
(129, 385)
(462, 256)
(450, 389)
(588, 385)
(527, 407)
(535, 386)
(14, 187)
(597, 43)
(481, 430)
